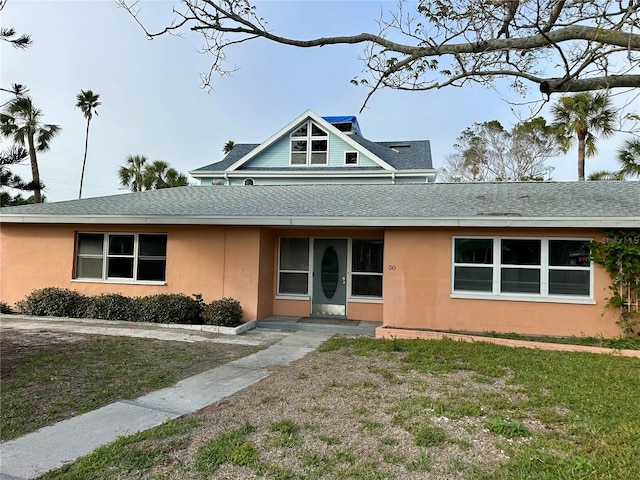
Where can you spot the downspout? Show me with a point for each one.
(393, 177)
(226, 179)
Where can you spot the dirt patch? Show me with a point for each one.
(358, 417)
(16, 344)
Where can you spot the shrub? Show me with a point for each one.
(54, 302)
(225, 312)
(112, 306)
(5, 308)
(168, 308)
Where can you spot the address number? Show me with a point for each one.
(392, 267)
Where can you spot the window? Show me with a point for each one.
(293, 266)
(366, 267)
(350, 158)
(248, 182)
(121, 256)
(526, 267)
(309, 145)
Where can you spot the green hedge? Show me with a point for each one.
(54, 302)
(226, 312)
(161, 308)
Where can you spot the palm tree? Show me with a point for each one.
(159, 175)
(87, 102)
(138, 175)
(228, 146)
(629, 158)
(132, 174)
(22, 122)
(584, 115)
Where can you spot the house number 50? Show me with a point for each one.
(392, 267)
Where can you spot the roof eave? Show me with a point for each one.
(321, 221)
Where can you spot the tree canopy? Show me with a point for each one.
(487, 152)
(557, 45)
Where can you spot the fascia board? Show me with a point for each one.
(320, 221)
(331, 171)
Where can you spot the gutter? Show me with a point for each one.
(322, 221)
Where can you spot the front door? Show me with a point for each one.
(329, 278)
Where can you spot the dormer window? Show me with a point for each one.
(309, 145)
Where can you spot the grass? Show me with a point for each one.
(60, 380)
(556, 415)
(618, 343)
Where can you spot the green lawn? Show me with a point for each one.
(416, 406)
(47, 383)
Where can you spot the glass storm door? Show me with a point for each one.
(329, 277)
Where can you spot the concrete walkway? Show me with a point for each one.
(52, 447)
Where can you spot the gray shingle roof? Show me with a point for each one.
(604, 203)
(409, 155)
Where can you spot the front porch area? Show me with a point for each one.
(318, 324)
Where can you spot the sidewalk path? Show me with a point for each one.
(51, 447)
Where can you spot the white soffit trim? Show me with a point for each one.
(309, 114)
(316, 221)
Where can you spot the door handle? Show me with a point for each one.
(344, 280)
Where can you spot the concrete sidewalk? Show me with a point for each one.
(51, 447)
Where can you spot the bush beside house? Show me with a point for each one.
(161, 308)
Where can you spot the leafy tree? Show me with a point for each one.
(228, 146)
(22, 122)
(138, 175)
(584, 115)
(559, 46)
(487, 152)
(87, 102)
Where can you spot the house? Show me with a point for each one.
(314, 149)
(505, 257)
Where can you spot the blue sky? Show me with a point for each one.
(152, 104)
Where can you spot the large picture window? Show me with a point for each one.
(293, 275)
(121, 256)
(525, 267)
(309, 145)
(366, 267)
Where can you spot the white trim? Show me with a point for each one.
(124, 281)
(321, 221)
(284, 131)
(357, 157)
(365, 300)
(543, 267)
(288, 296)
(524, 298)
(329, 171)
(135, 257)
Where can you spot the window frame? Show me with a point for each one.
(309, 139)
(135, 256)
(308, 272)
(350, 272)
(357, 162)
(544, 268)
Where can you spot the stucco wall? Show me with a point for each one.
(417, 290)
(213, 261)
